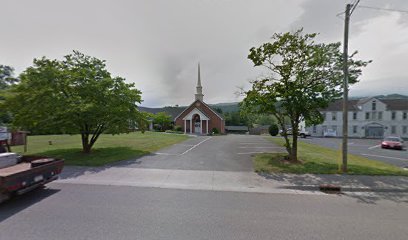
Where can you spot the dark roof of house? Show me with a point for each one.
(392, 104)
(338, 105)
(396, 104)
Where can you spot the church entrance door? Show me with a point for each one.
(197, 124)
(197, 127)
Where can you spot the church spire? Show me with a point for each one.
(199, 89)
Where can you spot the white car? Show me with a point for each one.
(330, 133)
(302, 134)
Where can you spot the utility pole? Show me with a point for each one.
(345, 87)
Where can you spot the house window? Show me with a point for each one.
(354, 115)
(379, 115)
(373, 106)
(404, 129)
(334, 117)
(354, 129)
(373, 115)
(393, 114)
(393, 129)
(324, 116)
(314, 129)
(404, 115)
(324, 128)
(367, 115)
(334, 128)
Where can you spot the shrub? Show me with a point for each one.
(178, 128)
(273, 129)
(215, 131)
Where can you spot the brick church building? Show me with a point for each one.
(199, 118)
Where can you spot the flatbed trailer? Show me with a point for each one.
(30, 173)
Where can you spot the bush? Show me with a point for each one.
(178, 128)
(273, 130)
(215, 131)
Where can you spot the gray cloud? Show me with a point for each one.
(157, 43)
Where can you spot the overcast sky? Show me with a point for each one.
(158, 43)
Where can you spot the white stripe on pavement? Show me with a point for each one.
(261, 147)
(376, 146)
(188, 150)
(371, 155)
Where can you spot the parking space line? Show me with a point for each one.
(384, 156)
(256, 143)
(376, 146)
(194, 146)
(261, 147)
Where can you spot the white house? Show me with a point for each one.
(368, 118)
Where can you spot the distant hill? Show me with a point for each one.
(392, 96)
(389, 96)
(226, 107)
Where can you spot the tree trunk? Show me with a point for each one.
(86, 147)
(295, 131)
(87, 143)
(293, 155)
(281, 121)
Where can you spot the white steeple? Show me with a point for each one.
(199, 94)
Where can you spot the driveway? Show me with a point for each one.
(220, 163)
(219, 153)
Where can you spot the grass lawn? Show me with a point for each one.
(321, 160)
(107, 149)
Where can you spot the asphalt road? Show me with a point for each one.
(102, 210)
(221, 153)
(69, 211)
(369, 148)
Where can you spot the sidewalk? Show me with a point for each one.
(230, 181)
(348, 183)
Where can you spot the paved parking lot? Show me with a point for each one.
(369, 148)
(219, 153)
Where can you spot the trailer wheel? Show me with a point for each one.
(2, 149)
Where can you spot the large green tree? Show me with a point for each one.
(75, 95)
(162, 119)
(302, 77)
(7, 79)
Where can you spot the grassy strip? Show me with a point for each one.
(321, 160)
(108, 148)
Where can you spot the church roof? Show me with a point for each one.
(215, 112)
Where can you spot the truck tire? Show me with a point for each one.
(302, 135)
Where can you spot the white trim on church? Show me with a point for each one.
(189, 117)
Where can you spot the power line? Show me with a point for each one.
(354, 6)
(384, 9)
